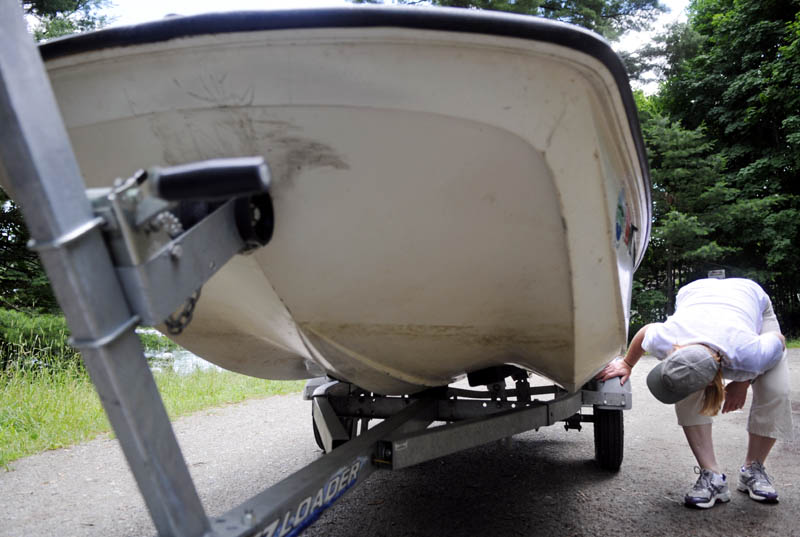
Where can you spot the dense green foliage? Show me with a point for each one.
(23, 283)
(723, 136)
(610, 18)
(55, 18)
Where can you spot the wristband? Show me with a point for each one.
(627, 363)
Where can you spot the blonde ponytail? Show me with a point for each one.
(713, 396)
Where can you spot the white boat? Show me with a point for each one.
(453, 190)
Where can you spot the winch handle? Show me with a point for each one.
(210, 180)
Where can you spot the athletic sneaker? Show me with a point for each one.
(709, 489)
(754, 480)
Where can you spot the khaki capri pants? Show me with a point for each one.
(771, 407)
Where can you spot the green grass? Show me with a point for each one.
(47, 400)
(793, 343)
(42, 410)
(32, 341)
(184, 394)
(28, 340)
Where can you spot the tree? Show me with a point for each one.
(661, 58)
(610, 18)
(742, 85)
(55, 18)
(23, 283)
(685, 235)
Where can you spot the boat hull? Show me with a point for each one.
(445, 201)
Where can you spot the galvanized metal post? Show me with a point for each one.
(38, 168)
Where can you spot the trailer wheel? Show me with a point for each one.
(608, 438)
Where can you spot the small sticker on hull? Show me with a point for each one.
(624, 228)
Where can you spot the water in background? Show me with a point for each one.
(180, 361)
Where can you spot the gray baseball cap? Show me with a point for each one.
(682, 373)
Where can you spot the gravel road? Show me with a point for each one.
(541, 483)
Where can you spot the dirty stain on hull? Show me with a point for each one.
(429, 350)
(218, 133)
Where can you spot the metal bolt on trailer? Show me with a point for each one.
(120, 257)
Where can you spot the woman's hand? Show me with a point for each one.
(735, 395)
(621, 366)
(615, 368)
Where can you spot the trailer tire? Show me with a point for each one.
(608, 438)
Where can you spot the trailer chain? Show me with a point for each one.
(176, 325)
(168, 222)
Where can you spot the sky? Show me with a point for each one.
(633, 40)
(135, 11)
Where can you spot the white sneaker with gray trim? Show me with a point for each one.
(708, 490)
(754, 480)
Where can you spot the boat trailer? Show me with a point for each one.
(138, 252)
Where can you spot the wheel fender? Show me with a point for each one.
(612, 390)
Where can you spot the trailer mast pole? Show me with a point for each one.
(39, 170)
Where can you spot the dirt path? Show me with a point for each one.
(543, 483)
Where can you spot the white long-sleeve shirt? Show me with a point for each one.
(726, 315)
